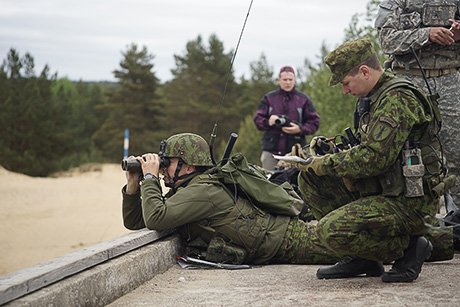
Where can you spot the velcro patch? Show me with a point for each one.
(389, 121)
(383, 128)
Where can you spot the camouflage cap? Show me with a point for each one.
(191, 148)
(347, 56)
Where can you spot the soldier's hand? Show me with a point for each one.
(298, 151)
(455, 29)
(132, 181)
(319, 145)
(150, 163)
(313, 165)
(441, 36)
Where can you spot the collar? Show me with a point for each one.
(385, 77)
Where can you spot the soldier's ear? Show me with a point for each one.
(190, 169)
(365, 70)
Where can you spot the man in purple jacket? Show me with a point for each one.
(286, 115)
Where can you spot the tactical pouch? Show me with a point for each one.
(414, 184)
(438, 188)
(368, 186)
(437, 14)
(413, 172)
(392, 181)
(220, 251)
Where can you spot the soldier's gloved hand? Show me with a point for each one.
(298, 151)
(319, 145)
(313, 165)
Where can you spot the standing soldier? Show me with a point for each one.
(429, 27)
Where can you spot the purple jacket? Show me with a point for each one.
(298, 107)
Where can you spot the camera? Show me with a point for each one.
(133, 165)
(282, 121)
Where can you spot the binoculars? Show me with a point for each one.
(134, 165)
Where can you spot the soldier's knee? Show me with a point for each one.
(326, 232)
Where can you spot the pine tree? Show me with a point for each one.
(134, 106)
(37, 132)
(195, 93)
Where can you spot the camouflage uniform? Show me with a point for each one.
(359, 199)
(402, 23)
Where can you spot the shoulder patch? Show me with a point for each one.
(383, 128)
(388, 120)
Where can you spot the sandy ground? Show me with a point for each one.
(44, 218)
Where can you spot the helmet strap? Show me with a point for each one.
(172, 181)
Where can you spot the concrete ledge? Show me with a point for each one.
(110, 280)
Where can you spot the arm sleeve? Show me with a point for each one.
(192, 203)
(398, 31)
(262, 115)
(389, 128)
(132, 210)
(312, 120)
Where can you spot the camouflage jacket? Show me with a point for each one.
(398, 117)
(402, 23)
(194, 204)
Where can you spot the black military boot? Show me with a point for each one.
(351, 267)
(452, 219)
(407, 268)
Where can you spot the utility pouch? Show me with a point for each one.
(437, 190)
(220, 251)
(413, 172)
(368, 186)
(392, 181)
(438, 14)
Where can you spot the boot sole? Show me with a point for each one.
(376, 273)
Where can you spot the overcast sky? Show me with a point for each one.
(83, 40)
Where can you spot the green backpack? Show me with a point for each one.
(249, 181)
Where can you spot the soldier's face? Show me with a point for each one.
(357, 85)
(171, 169)
(286, 81)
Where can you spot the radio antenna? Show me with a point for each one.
(214, 129)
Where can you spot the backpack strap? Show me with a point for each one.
(430, 102)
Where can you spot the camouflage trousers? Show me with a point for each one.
(448, 88)
(301, 245)
(373, 227)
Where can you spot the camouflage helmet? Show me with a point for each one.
(347, 56)
(191, 148)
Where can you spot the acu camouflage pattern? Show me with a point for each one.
(402, 23)
(347, 56)
(449, 104)
(394, 20)
(362, 222)
(191, 148)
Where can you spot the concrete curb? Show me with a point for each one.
(104, 283)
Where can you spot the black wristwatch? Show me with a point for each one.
(149, 176)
